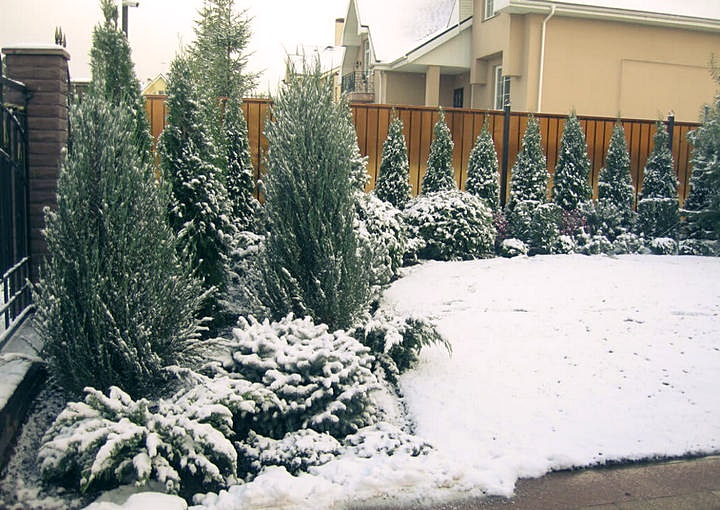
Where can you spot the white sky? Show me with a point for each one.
(157, 27)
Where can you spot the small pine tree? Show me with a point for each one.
(113, 74)
(529, 173)
(239, 176)
(658, 208)
(200, 211)
(393, 185)
(702, 206)
(572, 172)
(115, 303)
(312, 266)
(439, 175)
(482, 175)
(615, 185)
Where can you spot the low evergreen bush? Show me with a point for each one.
(628, 243)
(512, 247)
(451, 225)
(664, 246)
(545, 229)
(699, 247)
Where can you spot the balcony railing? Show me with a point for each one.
(362, 82)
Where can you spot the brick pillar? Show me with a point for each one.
(44, 71)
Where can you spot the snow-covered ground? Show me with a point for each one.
(558, 362)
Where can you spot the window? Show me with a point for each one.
(502, 89)
(458, 98)
(489, 9)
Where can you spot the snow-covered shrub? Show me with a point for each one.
(530, 176)
(664, 246)
(616, 193)
(576, 221)
(628, 243)
(312, 263)
(502, 227)
(519, 215)
(605, 218)
(439, 175)
(385, 438)
(658, 208)
(482, 172)
(453, 225)
(393, 183)
(397, 341)
(571, 184)
(701, 247)
(296, 451)
(594, 245)
(512, 247)
(381, 230)
(545, 228)
(107, 441)
(322, 380)
(245, 276)
(565, 244)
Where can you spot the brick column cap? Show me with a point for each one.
(37, 49)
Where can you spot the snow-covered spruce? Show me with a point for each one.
(439, 175)
(529, 178)
(392, 184)
(323, 380)
(110, 440)
(702, 206)
(312, 264)
(482, 173)
(115, 303)
(450, 225)
(571, 184)
(658, 207)
(382, 233)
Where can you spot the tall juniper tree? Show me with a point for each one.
(200, 210)
(115, 302)
(616, 193)
(113, 74)
(658, 208)
(702, 206)
(439, 175)
(240, 174)
(393, 184)
(312, 266)
(529, 178)
(571, 186)
(482, 174)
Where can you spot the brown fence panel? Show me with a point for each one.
(372, 121)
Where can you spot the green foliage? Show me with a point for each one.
(107, 441)
(113, 75)
(658, 209)
(392, 184)
(615, 185)
(529, 178)
(702, 206)
(571, 184)
(239, 174)
(544, 235)
(482, 173)
(200, 211)
(439, 175)
(312, 266)
(115, 303)
(450, 225)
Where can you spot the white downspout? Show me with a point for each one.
(542, 57)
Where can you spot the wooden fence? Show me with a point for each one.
(372, 120)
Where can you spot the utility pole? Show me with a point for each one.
(125, 5)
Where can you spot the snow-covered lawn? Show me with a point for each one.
(558, 362)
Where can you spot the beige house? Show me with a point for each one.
(599, 57)
(156, 86)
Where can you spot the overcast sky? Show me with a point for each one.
(158, 27)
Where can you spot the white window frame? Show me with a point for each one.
(489, 9)
(498, 87)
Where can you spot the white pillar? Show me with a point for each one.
(432, 86)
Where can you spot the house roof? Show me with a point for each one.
(398, 26)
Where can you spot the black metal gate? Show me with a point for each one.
(15, 292)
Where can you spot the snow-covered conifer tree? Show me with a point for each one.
(702, 206)
(239, 175)
(658, 208)
(115, 302)
(200, 210)
(312, 265)
(113, 74)
(570, 182)
(482, 174)
(529, 173)
(393, 185)
(439, 175)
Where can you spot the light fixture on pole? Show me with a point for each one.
(125, 5)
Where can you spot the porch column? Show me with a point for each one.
(432, 86)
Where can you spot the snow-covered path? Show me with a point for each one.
(566, 361)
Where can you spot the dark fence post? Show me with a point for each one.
(505, 154)
(671, 129)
